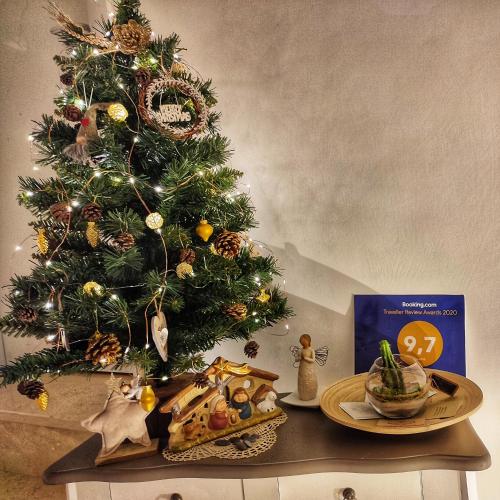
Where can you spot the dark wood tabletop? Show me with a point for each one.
(307, 443)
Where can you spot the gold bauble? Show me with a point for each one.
(184, 269)
(118, 112)
(93, 288)
(43, 244)
(263, 297)
(148, 399)
(43, 400)
(204, 230)
(154, 220)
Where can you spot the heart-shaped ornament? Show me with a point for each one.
(159, 331)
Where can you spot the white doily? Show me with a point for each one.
(265, 431)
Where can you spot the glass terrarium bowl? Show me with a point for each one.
(397, 392)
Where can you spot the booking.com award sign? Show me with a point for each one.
(429, 327)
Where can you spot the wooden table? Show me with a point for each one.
(307, 443)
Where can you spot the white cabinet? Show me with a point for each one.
(404, 486)
(428, 485)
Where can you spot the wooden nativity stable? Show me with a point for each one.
(237, 396)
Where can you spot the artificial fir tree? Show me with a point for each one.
(141, 218)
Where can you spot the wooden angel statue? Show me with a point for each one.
(306, 357)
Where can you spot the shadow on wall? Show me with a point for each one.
(322, 299)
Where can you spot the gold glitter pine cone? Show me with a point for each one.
(42, 242)
(92, 234)
(228, 244)
(103, 348)
(131, 38)
(236, 311)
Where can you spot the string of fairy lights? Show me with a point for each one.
(120, 176)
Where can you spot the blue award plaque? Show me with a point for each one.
(429, 327)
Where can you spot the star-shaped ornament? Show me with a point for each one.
(119, 420)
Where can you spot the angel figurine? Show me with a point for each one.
(306, 357)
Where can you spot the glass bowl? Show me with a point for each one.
(397, 392)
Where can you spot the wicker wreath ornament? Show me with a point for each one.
(154, 118)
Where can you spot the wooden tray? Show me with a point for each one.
(353, 389)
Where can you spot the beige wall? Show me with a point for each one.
(369, 133)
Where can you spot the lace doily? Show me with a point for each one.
(265, 431)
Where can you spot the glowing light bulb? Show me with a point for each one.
(287, 327)
(50, 337)
(177, 56)
(35, 168)
(153, 60)
(48, 263)
(17, 292)
(134, 67)
(31, 138)
(75, 203)
(48, 305)
(80, 103)
(201, 173)
(96, 52)
(97, 173)
(18, 248)
(114, 296)
(127, 350)
(254, 313)
(131, 180)
(29, 193)
(164, 378)
(147, 346)
(73, 52)
(136, 139)
(158, 189)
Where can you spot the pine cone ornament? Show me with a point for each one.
(67, 79)
(43, 401)
(42, 242)
(26, 314)
(178, 68)
(200, 380)
(228, 244)
(123, 242)
(187, 255)
(131, 37)
(142, 76)
(236, 311)
(72, 113)
(61, 212)
(31, 388)
(92, 234)
(92, 212)
(251, 349)
(103, 348)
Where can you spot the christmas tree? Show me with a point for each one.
(141, 251)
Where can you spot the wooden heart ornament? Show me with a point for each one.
(159, 331)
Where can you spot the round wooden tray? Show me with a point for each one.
(469, 396)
